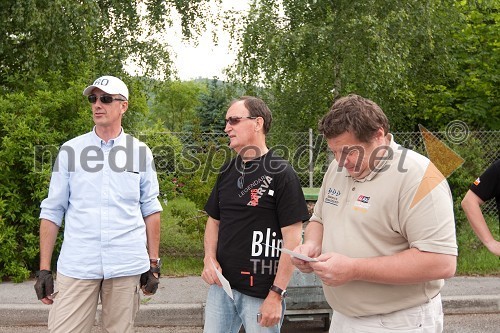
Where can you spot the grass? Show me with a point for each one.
(183, 266)
(473, 257)
(181, 247)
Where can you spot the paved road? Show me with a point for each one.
(484, 323)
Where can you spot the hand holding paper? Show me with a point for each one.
(225, 283)
(294, 254)
(298, 255)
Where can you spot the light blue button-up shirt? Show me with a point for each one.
(103, 191)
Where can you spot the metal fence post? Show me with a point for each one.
(311, 158)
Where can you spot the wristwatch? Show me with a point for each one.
(278, 290)
(156, 262)
(157, 267)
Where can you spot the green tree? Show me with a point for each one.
(175, 102)
(309, 52)
(29, 142)
(64, 35)
(472, 91)
(214, 104)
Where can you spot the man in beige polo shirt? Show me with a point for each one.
(383, 228)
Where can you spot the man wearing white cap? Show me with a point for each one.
(105, 187)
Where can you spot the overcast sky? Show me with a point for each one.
(205, 60)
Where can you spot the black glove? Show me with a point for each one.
(44, 285)
(149, 282)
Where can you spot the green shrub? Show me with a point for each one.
(31, 128)
(198, 168)
(181, 244)
(183, 227)
(474, 165)
(197, 186)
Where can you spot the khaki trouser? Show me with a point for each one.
(425, 318)
(75, 304)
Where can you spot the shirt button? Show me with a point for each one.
(353, 188)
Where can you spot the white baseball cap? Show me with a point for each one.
(110, 85)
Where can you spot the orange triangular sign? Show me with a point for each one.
(443, 157)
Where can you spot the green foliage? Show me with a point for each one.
(474, 165)
(185, 170)
(175, 103)
(472, 90)
(167, 150)
(181, 243)
(307, 53)
(9, 268)
(183, 226)
(63, 35)
(474, 257)
(137, 107)
(30, 132)
(191, 220)
(213, 106)
(199, 169)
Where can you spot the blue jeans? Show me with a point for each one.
(223, 315)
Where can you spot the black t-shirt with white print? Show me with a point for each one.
(252, 216)
(487, 186)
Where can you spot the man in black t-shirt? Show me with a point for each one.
(484, 188)
(255, 208)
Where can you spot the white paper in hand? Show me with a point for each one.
(297, 255)
(225, 283)
(294, 254)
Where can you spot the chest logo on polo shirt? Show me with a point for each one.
(332, 197)
(477, 181)
(362, 204)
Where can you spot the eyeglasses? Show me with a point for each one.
(106, 99)
(241, 179)
(234, 120)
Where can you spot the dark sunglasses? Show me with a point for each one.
(234, 120)
(106, 99)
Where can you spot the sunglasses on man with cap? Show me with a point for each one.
(105, 99)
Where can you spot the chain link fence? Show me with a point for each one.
(310, 156)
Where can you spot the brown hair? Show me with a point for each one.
(355, 114)
(257, 108)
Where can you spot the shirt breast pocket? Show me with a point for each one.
(128, 186)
